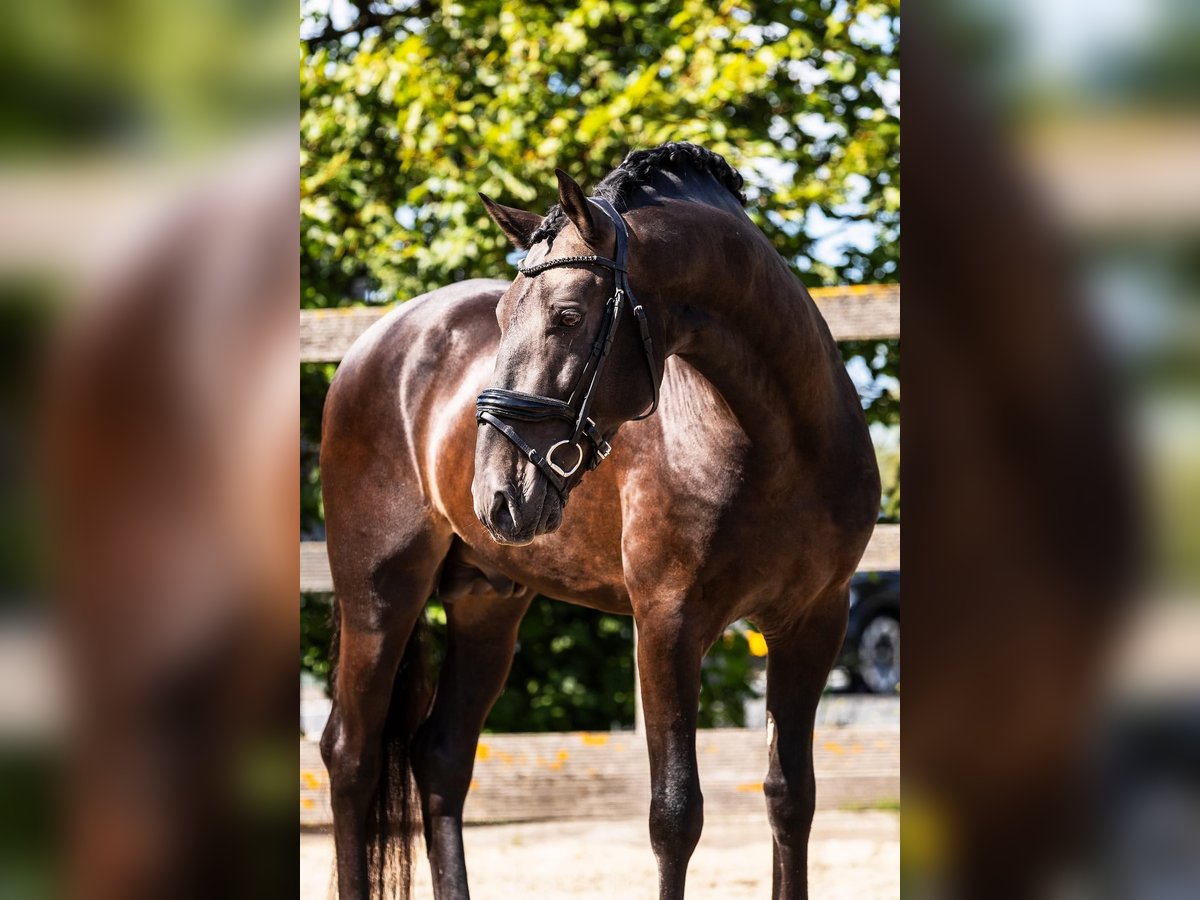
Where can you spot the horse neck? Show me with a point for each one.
(738, 315)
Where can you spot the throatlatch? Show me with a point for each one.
(497, 404)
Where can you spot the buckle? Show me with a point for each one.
(564, 473)
(600, 446)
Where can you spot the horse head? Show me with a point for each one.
(575, 362)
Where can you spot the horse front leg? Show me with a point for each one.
(669, 655)
(481, 636)
(799, 657)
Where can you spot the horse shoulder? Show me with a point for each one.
(393, 385)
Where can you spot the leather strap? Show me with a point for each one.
(622, 279)
(534, 457)
(527, 407)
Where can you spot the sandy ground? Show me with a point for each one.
(853, 856)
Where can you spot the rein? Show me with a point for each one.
(497, 404)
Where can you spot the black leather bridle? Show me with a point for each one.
(496, 404)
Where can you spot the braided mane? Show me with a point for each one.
(638, 169)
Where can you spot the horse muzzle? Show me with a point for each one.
(514, 519)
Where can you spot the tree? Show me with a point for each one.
(399, 134)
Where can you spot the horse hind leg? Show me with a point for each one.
(483, 614)
(380, 695)
(799, 657)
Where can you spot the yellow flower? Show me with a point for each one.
(758, 643)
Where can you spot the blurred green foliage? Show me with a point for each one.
(409, 110)
(573, 670)
(728, 679)
(315, 633)
(140, 77)
(32, 831)
(399, 134)
(27, 320)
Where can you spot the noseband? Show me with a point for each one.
(496, 404)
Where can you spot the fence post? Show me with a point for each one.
(639, 721)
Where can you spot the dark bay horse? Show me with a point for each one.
(750, 492)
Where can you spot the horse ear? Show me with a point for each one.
(575, 204)
(516, 223)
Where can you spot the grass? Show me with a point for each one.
(890, 805)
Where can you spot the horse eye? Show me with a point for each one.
(570, 317)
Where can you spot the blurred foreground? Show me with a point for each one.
(1053, 438)
(149, 273)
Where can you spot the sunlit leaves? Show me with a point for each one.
(494, 95)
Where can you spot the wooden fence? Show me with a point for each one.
(882, 554)
(573, 775)
(856, 313)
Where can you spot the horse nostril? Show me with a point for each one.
(502, 518)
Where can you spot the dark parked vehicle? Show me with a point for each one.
(871, 652)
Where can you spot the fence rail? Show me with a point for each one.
(573, 775)
(856, 313)
(883, 554)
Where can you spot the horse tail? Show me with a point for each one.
(394, 815)
(394, 818)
